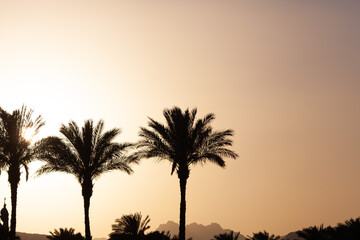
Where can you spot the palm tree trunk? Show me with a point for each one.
(14, 187)
(87, 219)
(183, 181)
(87, 187)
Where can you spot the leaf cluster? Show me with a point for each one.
(185, 141)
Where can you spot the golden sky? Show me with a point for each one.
(284, 75)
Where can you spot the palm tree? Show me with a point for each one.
(130, 224)
(16, 152)
(65, 234)
(348, 230)
(316, 233)
(227, 236)
(263, 236)
(158, 235)
(87, 154)
(184, 142)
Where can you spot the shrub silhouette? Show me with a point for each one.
(65, 234)
(131, 224)
(318, 233)
(350, 230)
(227, 236)
(263, 236)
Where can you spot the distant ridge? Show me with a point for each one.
(36, 236)
(31, 236)
(201, 232)
(196, 231)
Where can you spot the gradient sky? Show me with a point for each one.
(284, 75)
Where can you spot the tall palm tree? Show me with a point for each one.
(86, 154)
(184, 142)
(263, 236)
(16, 151)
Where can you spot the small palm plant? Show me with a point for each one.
(185, 142)
(227, 236)
(65, 234)
(158, 235)
(87, 154)
(16, 150)
(316, 233)
(348, 230)
(263, 236)
(131, 224)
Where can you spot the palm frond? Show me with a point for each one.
(184, 141)
(15, 150)
(161, 132)
(85, 153)
(72, 135)
(131, 224)
(58, 156)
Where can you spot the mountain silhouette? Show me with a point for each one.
(196, 231)
(31, 236)
(36, 236)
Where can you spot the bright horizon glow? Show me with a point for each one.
(283, 75)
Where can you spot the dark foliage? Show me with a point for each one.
(16, 152)
(151, 236)
(227, 236)
(184, 142)
(65, 234)
(263, 236)
(86, 153)
(350, 230)
(131, 224)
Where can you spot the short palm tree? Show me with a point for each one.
(86, 154)
(316, 233)
(227, 236)
(16, 151)
(263, 236)
(184, 142)
(348, 230)
(131, 224)
(65, 234)
(158, 235)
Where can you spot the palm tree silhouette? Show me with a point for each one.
(131, 224)
(348, 230)
(184, 142)
(316, 233)
(158, 235)
(86, 154)
(65, 234)
(227, 236)
(263, 236)
(16, 152)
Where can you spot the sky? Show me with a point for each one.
(284, 75)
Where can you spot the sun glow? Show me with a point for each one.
(28, 134)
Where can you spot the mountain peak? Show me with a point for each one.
(196, 231)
